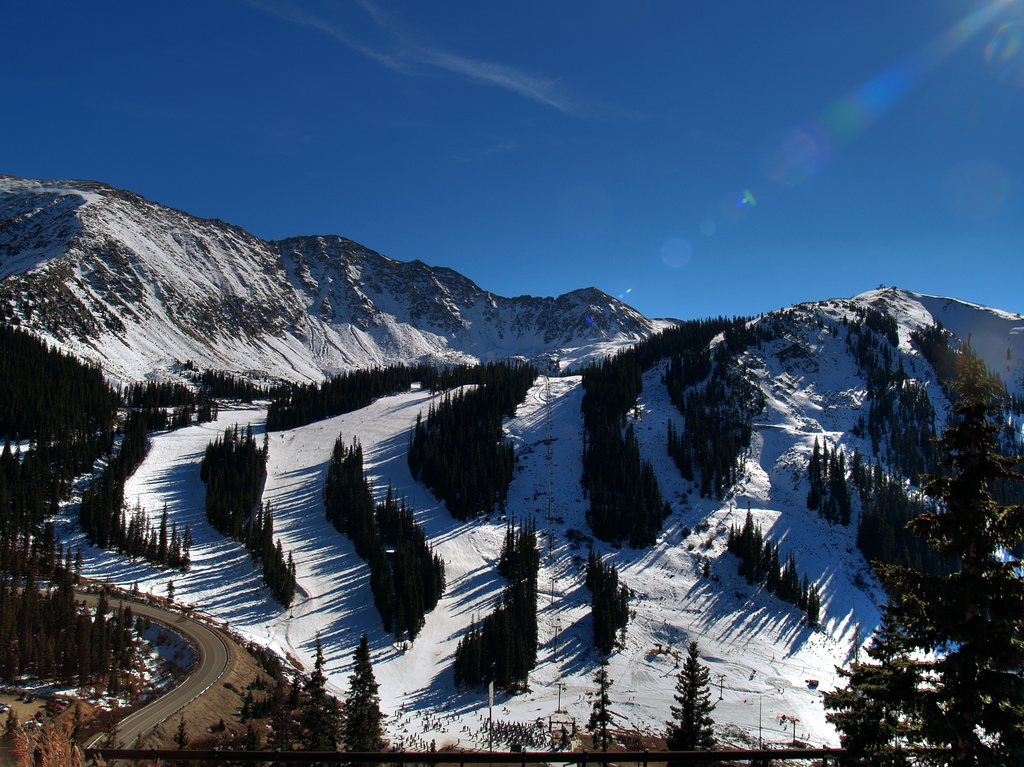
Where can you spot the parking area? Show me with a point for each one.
(31, 708)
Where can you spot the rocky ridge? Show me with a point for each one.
(140, 288)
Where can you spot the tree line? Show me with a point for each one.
(148, 395)
(901, 426)
(33, 482)
(901, 418)
(761, 563)
(105, 519)
(209, 387)
(502, 648)
(234, 469)
(156, 542)
(296, 405)
(887, 507)
(437, 379)
(829, 493)
(50, 396)
(609, 602)
(57, 416)
(459, 451)
(46, 635)
(625, 504)
(220, 385)
(715, 400)
(406, 577)
(69, 416)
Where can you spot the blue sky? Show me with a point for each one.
(694, 158)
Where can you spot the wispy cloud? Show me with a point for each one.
(401, 55)
(503, 146)
(541, 89)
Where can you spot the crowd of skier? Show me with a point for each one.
(498, 734)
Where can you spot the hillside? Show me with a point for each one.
(140, 289)
(758, 648)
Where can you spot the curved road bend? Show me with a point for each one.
(211, 663)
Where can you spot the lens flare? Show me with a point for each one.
(730, 210)
(1005, 53)
(975, 191)
(851, 115)
(676, 252)
(795, 155)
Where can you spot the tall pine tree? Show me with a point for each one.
(321, 713)
(957, 639)
(692, 727)
(878, 712)
(361, 720)
(600, 714)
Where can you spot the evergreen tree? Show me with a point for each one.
(504, 648)
(958, 638)
(361, 721)
(321, 714)
(878, 712)
(460, 451)
(760, 563)
(281, 714)
(181, 736)
(600, 714)
(234, 469)
(692, 727)
(609, 602)
(408, 583)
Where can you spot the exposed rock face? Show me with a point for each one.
(138, 288)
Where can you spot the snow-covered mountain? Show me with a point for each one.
(138, 288)
(768, 665)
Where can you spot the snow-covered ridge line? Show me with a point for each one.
(138, 288)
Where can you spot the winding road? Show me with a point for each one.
(211, 663)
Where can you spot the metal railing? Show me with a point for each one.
(828, 756)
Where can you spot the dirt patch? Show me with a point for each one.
(23, 710)
(222, 702)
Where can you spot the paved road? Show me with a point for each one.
(212, 660)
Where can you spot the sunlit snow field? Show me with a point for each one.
(761, 654)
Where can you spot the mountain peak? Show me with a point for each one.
(138, 288)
